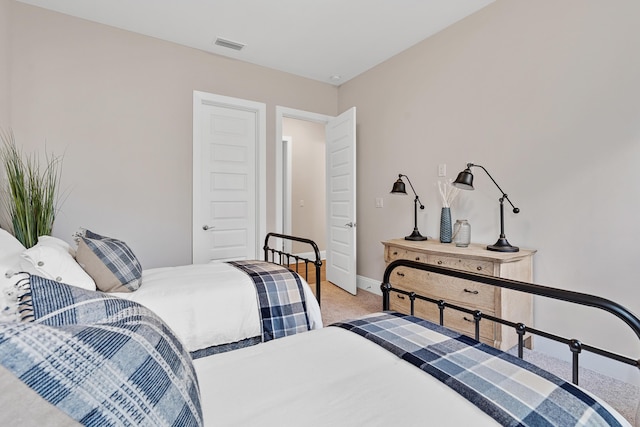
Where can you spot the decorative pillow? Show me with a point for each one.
(54, 262)
(10, 250)
(9, 245)
(100, 359)
(110, 262)
(54, 241)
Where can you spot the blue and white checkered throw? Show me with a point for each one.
(100, 359)
(512, 391)
(281, 300)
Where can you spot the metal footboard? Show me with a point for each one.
(575, 346)
(284, 258)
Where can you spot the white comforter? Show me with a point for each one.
(207, 304)
(329, 377)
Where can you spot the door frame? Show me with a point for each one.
(292, 113)
(204, 98)
(287, 166)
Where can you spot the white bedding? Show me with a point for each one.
(207, 304)
(329, 377)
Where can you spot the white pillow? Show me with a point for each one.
(10, 250)
(54, 241)
(54, 262)
(9, 246)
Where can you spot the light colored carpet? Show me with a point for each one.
(338, 305)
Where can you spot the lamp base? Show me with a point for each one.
(416, 236)
(502, 245)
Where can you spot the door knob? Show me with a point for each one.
(206, 227)
(350, 224)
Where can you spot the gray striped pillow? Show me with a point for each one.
(110, 262)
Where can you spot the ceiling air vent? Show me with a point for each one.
(229, 44)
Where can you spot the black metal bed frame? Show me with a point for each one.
(520, 329)
(285, 258)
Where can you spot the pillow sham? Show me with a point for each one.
(110, 262)
(54, 262)
(10, 250)
(9, 245)
(100, 359)
(54, 241)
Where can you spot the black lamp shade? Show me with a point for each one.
(398, 187)
(464, 181)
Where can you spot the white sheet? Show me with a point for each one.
(329, 377)
(207, 304)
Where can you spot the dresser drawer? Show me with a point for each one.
(392, 254)
(450, 289)
(464, 264)
(457, 320)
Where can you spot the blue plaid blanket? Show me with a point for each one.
(100, 359)
(281, 300)
(512, 391)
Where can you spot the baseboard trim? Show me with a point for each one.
(369, 285)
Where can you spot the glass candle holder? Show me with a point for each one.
(462, 233)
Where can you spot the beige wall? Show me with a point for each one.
(308, 181)
(546, 96)
(119, 106)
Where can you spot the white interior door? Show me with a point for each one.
(341, 200)
(227, 211)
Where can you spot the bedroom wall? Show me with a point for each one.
(118, 106)
(308, 181)
(546, 96)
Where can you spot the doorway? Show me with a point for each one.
(340, 188)
(303, 193)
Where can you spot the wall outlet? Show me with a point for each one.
(442, 169)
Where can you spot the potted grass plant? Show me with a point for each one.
(31, 191)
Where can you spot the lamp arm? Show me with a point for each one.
(414, 191)
(504, 195)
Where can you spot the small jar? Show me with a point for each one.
(462, 233)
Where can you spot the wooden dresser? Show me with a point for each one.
(503, 303)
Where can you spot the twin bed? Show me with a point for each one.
(383, 369)
(212, 307)
(400, 370)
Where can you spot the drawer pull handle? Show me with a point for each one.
(395, 253)
(471, 291)
(479, 268)
(417, 258)
(467, 319)
(439, 262)
(400, 296)
(400, 274)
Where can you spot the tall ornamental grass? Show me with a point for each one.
(30, 197)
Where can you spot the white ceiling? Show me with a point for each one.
(317, 39)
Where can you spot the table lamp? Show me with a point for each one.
(399, 188)
(464, 181)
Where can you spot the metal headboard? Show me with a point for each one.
(575, 346)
